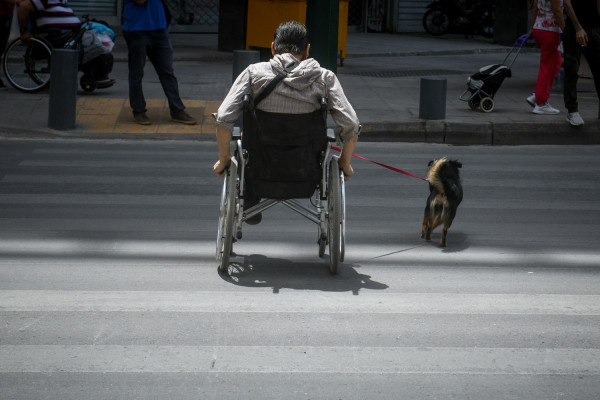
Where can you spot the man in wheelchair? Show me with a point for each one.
(57, 23)
(299, 92)
(283, 154)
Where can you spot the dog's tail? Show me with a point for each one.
(434, 175)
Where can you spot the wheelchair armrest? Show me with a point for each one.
(247, 102)
(330, 135)
(323, 103)
(236, 134)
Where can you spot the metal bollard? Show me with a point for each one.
(242, 59)
(62, 109)
(432, 103)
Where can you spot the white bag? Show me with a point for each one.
(95, 44)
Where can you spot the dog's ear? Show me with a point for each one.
(457, 164)
(430, 163)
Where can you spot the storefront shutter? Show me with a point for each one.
(410, 15)
(94, 8)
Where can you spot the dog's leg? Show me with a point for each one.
(447, 224)
(426, 224)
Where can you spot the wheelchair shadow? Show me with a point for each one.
(260, 271)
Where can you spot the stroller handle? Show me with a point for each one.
(520, 42)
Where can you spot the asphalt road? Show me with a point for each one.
(109, 288)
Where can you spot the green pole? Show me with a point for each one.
(322, 23)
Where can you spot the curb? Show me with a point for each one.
(491, 134)
(438, 132)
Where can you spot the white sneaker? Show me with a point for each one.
(531, 100)
(575, 119)
(545, 109)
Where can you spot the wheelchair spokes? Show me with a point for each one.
(27, 65)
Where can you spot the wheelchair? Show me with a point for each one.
(26, 65)
(283, 159)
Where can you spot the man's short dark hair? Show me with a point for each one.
(290, 37)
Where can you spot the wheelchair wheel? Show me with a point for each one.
(27, 64)
(227, 207)
(343, 219)
(87, 83)
(335, 216)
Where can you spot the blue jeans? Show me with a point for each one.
(157, 46)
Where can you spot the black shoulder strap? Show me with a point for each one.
(271, 85)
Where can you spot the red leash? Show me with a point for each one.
(381, 164)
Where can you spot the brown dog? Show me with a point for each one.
(445, 194)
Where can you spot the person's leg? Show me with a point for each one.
(161, 57)
(136, 59)
(550, 62)
(572, 54)
(592, 55)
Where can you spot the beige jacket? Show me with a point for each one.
(298, 93)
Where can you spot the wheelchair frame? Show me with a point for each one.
(27, 65)
(328, 210)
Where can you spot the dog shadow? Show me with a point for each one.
(257, 270)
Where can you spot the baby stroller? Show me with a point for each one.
(483, 85)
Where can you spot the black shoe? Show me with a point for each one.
(142, 119)
(105, 83)
(183, 117)
(255, 220)
(258, 217)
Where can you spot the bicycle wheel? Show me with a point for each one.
(436, 22)
(335, 231)
(227, 217)
(27, 64)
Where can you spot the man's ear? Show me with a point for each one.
(273, 48)
(305, 55)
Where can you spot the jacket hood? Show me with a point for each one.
(304, 75)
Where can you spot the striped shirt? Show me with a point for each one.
(298, 93)
(54, 14)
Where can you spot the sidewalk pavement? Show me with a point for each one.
(381, 77)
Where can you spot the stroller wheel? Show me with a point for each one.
(474, 102)
(487, 104)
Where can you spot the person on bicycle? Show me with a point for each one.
(56, 22)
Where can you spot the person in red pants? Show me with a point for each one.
(548, 23)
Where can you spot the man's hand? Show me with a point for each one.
(220, 166)
(346, 156)
(348, 170)
(26, 36)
